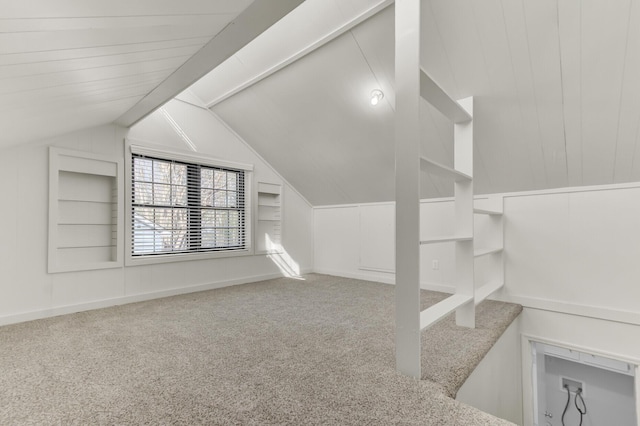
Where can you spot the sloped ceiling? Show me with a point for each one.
(556, 87)
(71, 64)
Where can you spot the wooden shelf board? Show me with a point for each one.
(487, 211)
(435, 313)
(486, 251)
(438, 169)
(445, 239)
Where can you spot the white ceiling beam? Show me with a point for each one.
(432, 93)
(340, 28)
(254, 20)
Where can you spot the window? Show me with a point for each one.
(184, 207)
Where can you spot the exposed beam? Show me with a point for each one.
(254, 20)
(340, 28)
(432, 93)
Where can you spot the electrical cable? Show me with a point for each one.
(567, 404)
(582, 413)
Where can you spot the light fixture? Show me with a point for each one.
(376, 97)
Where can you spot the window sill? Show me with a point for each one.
(184, 257)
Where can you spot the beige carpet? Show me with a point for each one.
(284, 351)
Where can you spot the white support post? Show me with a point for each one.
(463, 162)
(498, 225)
(636, 379)
(407, 151)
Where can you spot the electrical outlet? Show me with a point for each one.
(435, 264)
(573, 385)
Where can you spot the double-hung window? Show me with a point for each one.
(183, 207)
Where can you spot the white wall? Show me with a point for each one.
(575, 252)
(571, 251)
(27, 291)
(358, 241)
(502, 367)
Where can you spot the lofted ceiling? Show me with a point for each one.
(555, 82)
(556, 87)
(72, 64)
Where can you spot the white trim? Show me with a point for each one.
(203, 159)
(637, 392)
(476, 197)
(191, 93)
(156, 150)
(374, 269)
(583, 349)
(185, 101)
(105, 303)
(572, 189)
(391, 203)
(614, 315)
(182, 257)
(440, 287)
(529, 398)
(347, 206)
(356, 276)
(387, 278)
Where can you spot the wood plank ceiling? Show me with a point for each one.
(556, 84)
(72, 64)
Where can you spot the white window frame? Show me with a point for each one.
(187, 157)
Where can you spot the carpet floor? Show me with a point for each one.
(283, 351)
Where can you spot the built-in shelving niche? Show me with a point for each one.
(269, 218)
(85, 215)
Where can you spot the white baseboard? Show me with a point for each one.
(363, 275)
(385, 279)
(443, 288)
(98, 304)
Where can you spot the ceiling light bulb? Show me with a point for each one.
(376, 97)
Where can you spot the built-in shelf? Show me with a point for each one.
(486, 251)
(487, 212)
(269, 218)
(445, 239)
(85, 214)
(438, 169)
(434, 313)
(487, 290)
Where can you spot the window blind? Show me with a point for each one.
(184, 207)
